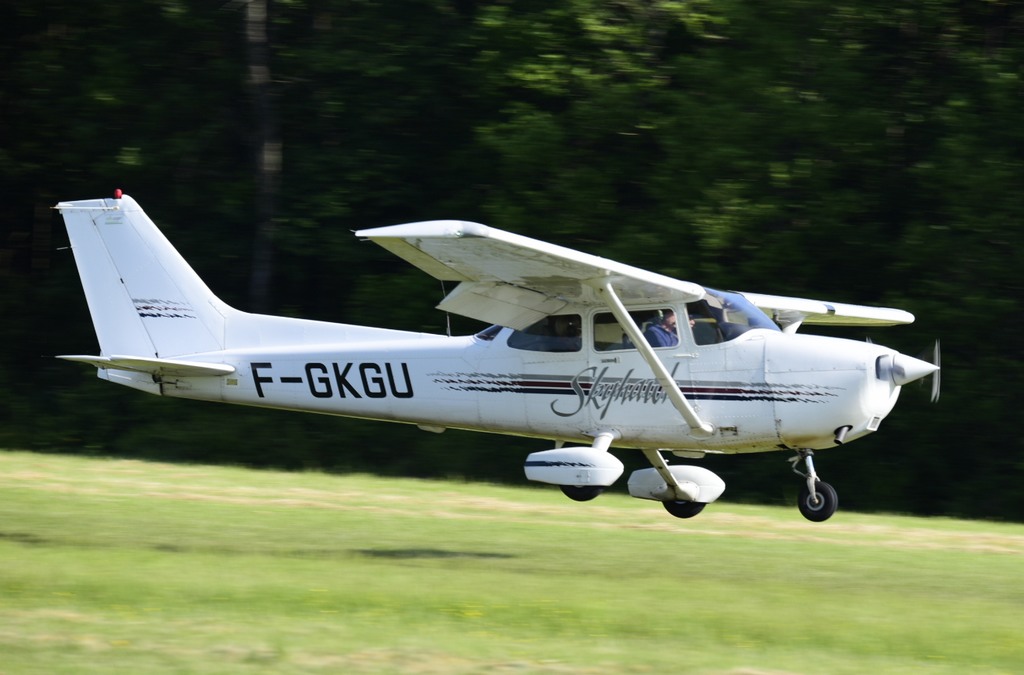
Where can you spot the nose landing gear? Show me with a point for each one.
(818, 500)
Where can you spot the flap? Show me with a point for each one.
(498, 303)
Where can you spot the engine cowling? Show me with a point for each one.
(573, 466)
(697, 483)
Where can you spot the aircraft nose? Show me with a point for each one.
(907, 369)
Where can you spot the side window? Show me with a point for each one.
(608, 335)
(556, 333)
(657, 325)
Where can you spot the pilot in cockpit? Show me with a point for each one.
(663, 333)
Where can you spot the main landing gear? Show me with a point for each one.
(818, 500)
(582, 493)
(683, 509)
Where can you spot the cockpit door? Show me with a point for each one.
(727, 375)
(622, 391)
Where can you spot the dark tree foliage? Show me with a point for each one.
(859, 151)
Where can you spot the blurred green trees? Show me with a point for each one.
(852, 151)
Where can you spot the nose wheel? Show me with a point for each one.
(818, 500)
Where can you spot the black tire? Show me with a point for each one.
(822, 507)
(582, 493)
(684, 509)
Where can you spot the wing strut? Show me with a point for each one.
(698, 427)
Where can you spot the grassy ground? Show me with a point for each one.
(122, 566)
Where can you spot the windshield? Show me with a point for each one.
(724, 316)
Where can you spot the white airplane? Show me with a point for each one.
(585, 351)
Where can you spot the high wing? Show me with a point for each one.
(514, 281)
(790, 313)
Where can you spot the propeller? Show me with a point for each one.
(936, 360)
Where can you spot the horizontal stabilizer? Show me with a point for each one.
(141, 364)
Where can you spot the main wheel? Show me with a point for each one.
(822, 505)
(582, 493)
(682, 509)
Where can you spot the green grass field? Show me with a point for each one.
(124, 566)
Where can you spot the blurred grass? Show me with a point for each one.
(124, 566)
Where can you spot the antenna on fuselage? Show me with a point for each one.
(447, 315)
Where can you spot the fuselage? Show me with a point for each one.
(764, 390)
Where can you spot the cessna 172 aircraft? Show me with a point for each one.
(585, 351)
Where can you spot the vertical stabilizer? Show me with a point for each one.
(145, 300)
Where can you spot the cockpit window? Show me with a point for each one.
(556, 333)
(657, 325)
(722, 316)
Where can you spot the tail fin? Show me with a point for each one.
(145, 300)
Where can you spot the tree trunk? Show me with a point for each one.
(267, 147)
